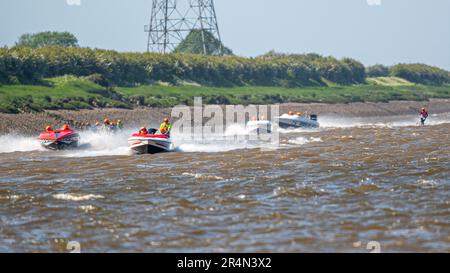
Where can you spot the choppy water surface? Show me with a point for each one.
(333, 189)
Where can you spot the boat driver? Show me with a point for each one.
(165, 127)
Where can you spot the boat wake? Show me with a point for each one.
(382, 122)
(94, 144)
(332, 122)
(304, 140)
(16, 143)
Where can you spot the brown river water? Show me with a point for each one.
(333, 189)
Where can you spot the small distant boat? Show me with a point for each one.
(298, 121)
(259, 127)
(59, 139)
(150, 144)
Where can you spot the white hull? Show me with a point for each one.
(287, 121)
(146, 145)
(259, 127)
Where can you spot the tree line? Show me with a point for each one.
(30, 65)
(416, 73)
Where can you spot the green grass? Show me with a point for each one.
(170, 95)
(58, 93)
(75, 93)
(389, 81)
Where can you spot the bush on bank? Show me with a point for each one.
(421, 73)
(29, 65)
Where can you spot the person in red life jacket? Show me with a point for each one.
(66, 127)
(143, 131)
(423, 116)
(49, 128)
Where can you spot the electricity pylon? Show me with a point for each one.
(172, 20)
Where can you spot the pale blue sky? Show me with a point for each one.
(394, 31)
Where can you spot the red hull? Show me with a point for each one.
(59, 139)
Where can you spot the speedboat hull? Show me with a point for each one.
(150, 144)
(259, 127)
(287, 121)
(59, 140)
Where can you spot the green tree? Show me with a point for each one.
(47, 38)
(421, 73)
(377, 70)
(193, 43)
(28, 65)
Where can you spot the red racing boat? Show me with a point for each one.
(59, 139)
(150, 144)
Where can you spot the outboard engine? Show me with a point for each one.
(314, 117)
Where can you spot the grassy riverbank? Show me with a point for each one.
(73, 93)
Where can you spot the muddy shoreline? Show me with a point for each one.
(32, 123)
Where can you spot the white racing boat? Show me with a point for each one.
(259, 127)
(298, 121)
(150, 143)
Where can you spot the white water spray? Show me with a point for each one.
(108, 144)
(329, 122)
(234, 138)
(16, 143)
(101, 144)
